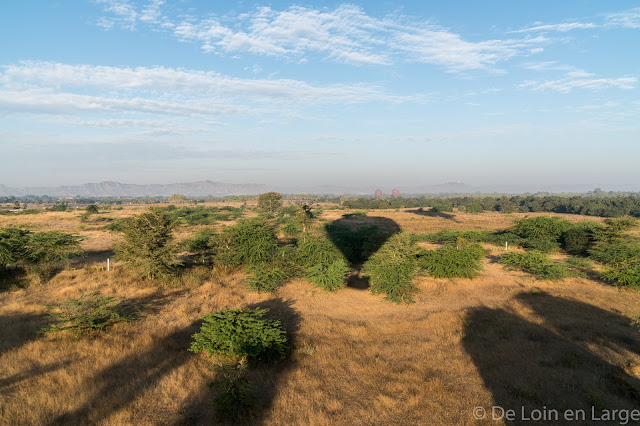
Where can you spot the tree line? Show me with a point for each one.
(602, 205)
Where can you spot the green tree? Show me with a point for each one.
(52, 247)
(270, 202)
(253, 241)
(177, 198)
(13, 242)
(242, 333)
(148, 245)
(392, 269)
(92, 209)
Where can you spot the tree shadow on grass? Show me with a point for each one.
(13, 278)
(358, 237)
(92, 257)
(431, 213)
(18, 328)
(154, 302)
(266, 379)
(552, 362)
(8, 382)
(124, 381)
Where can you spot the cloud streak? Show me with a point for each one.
(345, 34)
(626, 19)
(581, 81)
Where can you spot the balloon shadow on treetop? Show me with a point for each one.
(358, 237)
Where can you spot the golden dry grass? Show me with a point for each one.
(500, 339)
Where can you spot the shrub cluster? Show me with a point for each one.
(40, 252)
(452, 262)
(244, 337)
(148, 245)
(392, 269)
(202, 215)
(241, 333)
(536, 263)
(323, 263)
(89, 313)
(598, 203)
(541, 233)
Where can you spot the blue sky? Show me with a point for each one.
(381, 93)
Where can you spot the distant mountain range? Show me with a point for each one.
(220, 189)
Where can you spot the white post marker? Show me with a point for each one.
(506, 246)
(108, 265)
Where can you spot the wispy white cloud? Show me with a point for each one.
(122, 12)
(575, 80)
(345, 34)
(626, 19)
(194, 83)
(48, 102)
(558, 27)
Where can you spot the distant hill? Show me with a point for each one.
(115, 189)
(220, 189)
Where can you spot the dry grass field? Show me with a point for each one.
(501, 339)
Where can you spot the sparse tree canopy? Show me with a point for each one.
(148, 244)
(178, 198)
(270, 202)
(92, 209)
(52, 247)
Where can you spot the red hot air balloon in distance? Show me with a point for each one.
(378, 192)
(395, 193)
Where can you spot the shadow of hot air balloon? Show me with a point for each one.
(358, 237)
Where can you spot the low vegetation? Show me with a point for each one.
(452, 262)
(241, 333)
(392, 269)
(536, 263)
(90, 313)
(148, 247)
(179, 264)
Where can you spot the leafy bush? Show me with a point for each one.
(89, 313)
(451, 262)
(628, 276)
(617, 254)
(474, 208)
(392, 268)
(580, 238)
(117, 225)
(451, 237)
(266, 277)
(241, 333)
(52, 247)
(623, 258)
(577, 241)
(200, 241)
(148, 244)
(329, 277)
(13, 242)
(58, 208)
(202, 215)
(442, 208)
(536, 263)
(324, 265)
(541, 233)
(91, 209)
(252, 241)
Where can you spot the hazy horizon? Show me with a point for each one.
(349, 94)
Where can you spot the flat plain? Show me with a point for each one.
(501, 339)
